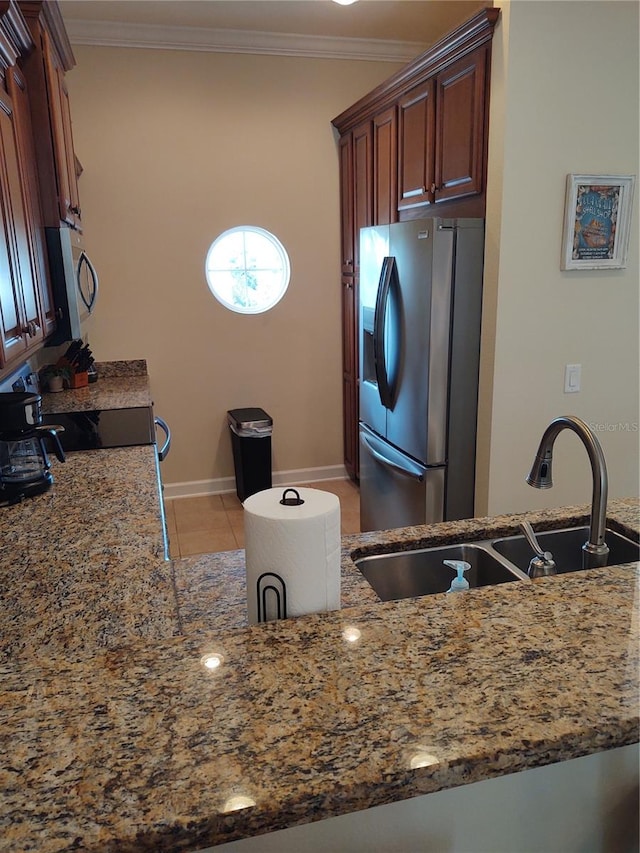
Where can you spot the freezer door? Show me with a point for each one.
(418, 338)
(396, 491)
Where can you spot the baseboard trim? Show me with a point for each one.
(225, 485)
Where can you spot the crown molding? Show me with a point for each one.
(110, 34)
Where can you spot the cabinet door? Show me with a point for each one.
(385, 167)
(346, 203)
(460, 128)
(16, 85)
(19, 304)
(12, 339)
(416, 116)
(60, 117)
(362, 184)
(350, 373)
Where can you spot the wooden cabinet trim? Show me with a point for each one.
(346, 202)
(48, 15)
(15, 39)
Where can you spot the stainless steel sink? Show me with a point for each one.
(566, 547)
(408, 574)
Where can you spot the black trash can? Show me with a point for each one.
(251, 443)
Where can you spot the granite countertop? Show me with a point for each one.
(120, 385)
(116, 737)
(81, 566)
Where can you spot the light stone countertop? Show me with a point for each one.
(117, 738)
(81, 566)
(120, 385)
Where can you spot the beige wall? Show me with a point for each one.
(176, 147)
(565, 100)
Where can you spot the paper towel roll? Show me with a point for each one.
(301, 544)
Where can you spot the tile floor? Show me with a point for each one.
(211, 523)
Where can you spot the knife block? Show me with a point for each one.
(79, 380)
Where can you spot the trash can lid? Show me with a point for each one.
(250, 418)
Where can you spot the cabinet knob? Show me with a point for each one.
(433, 188)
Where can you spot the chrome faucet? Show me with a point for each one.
(595, 552)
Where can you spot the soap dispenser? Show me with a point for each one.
(459, 583)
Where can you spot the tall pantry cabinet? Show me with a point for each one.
(415, 146)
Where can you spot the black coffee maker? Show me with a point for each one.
(24, 463)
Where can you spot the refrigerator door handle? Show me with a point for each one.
(388, 276)
(414, 473)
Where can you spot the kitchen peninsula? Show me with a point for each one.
(117, 737)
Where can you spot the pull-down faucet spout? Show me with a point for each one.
(595, 552)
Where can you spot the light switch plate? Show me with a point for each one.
(572, 378)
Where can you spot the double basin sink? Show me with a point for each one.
(407, 574)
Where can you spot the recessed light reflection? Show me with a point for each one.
(212, 660)
(422, 759)
(237, 802)
(351, 634)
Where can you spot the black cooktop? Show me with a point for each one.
(103, 428)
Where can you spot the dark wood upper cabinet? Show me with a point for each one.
(385, 172)
(362, 184)
(60, 122)
(346, 203)
(17, 294)
(17, 89)
(441, 136)
(460, 128)
(38, 170)
(25, 299)
(416, 146)
(45, 69)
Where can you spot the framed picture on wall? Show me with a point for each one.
(597, 222)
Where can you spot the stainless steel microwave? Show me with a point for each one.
(74, 283)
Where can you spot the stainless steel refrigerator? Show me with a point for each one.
(419, 337)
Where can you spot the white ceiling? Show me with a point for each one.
(413, 21)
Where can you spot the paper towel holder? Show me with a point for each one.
(280, 595)
(297, 501)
